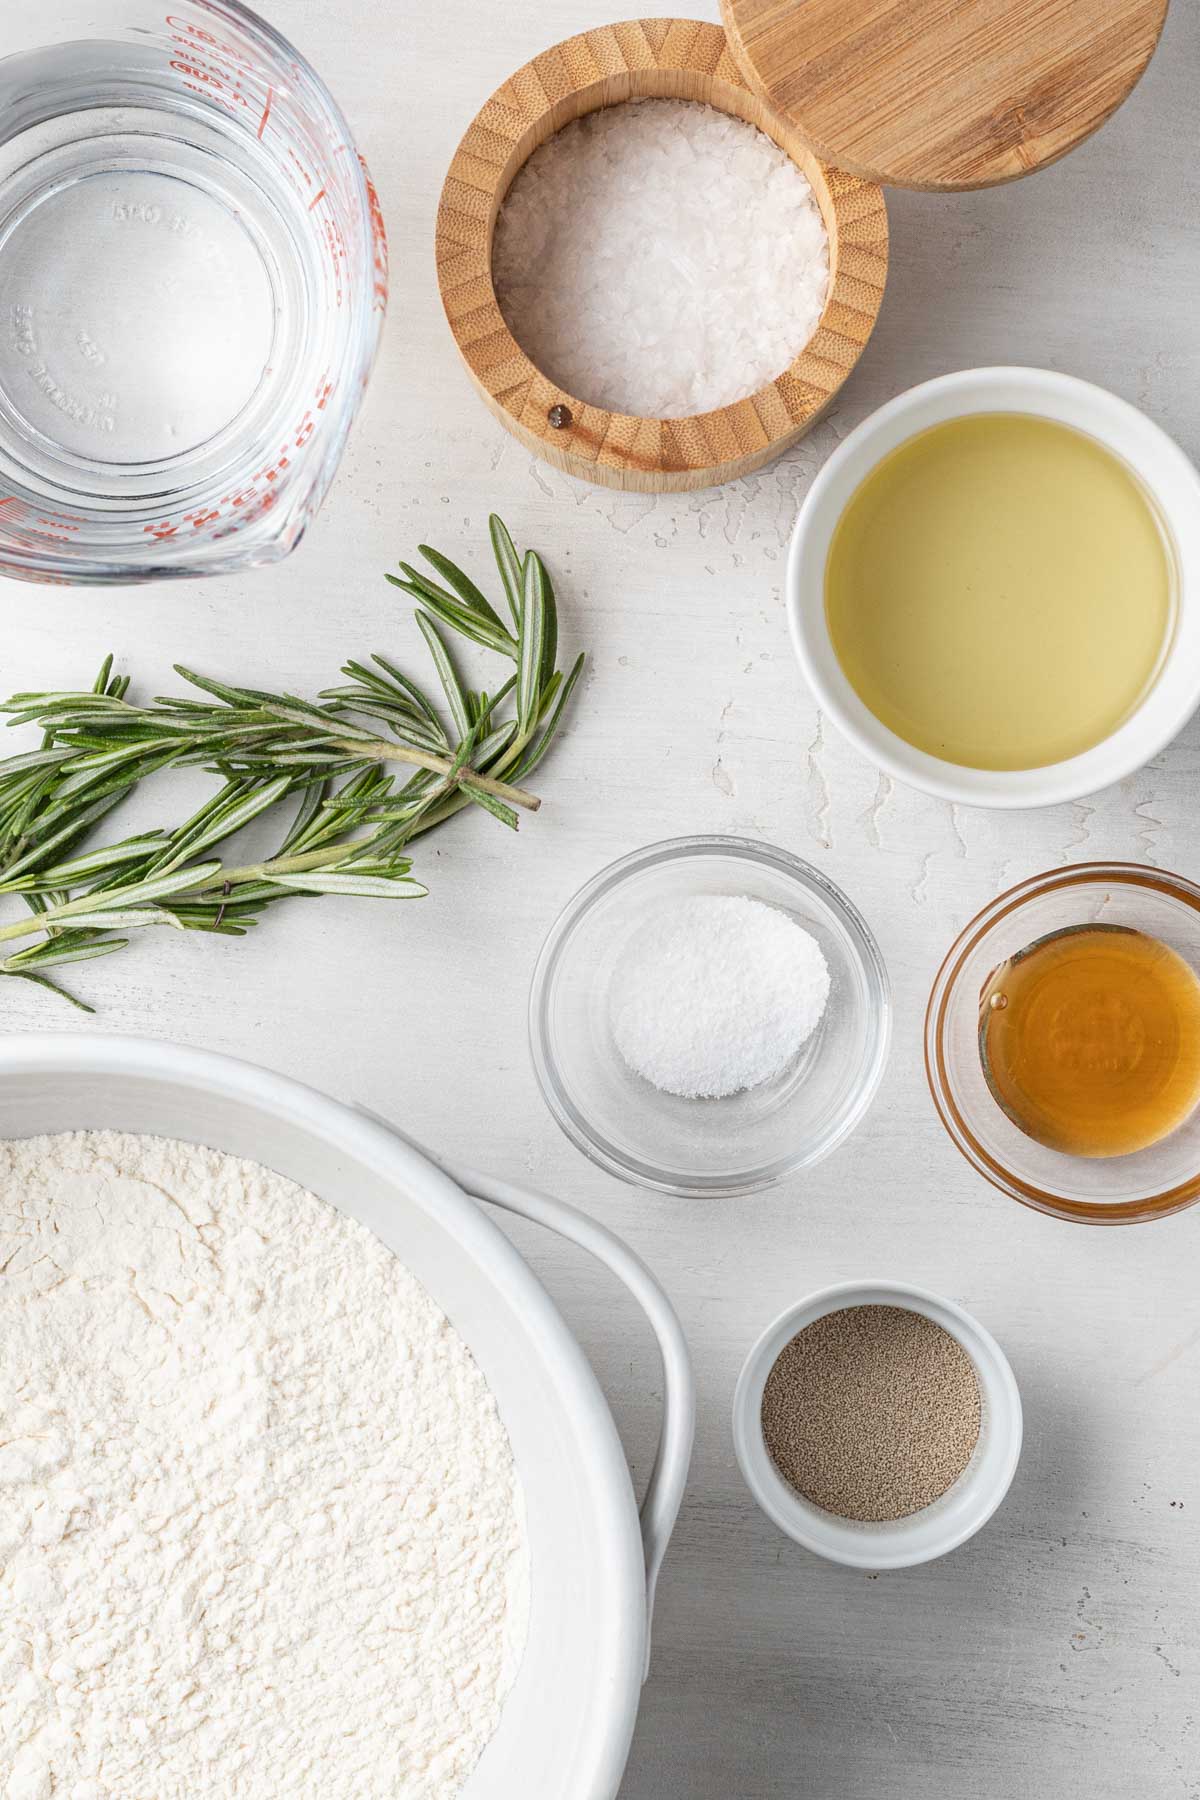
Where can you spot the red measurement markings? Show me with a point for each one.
(266, 112)
(58, 531)
(245, 505)
(20, 532)
(336, 246)
(210, 86)
(203, 74)
(193, 35)
(303, 173)
(265, 503)
(317, 197)
(378, 240)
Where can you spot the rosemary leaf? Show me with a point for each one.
(509, 565)
(538, 749)
(103, 760)
(100, 862)
(414, 693)
(64, 949)
(121, 918)
(233, 817)
(36, 760)
(497, 808)
(68, 834)
(311, 802)
(462, 584)
(533, 639)
(53, 987)
(368, 887)
(157, 887)
(459, 618)
(447, 674)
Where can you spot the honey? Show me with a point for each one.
(1090, 1040)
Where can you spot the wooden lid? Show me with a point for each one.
(943, 93)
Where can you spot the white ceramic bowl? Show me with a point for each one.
(567, 1724)
(1165, 472)
(950, 1520)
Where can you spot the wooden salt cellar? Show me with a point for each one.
(937, 94)
(682, 59)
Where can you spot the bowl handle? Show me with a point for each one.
(668, 1477)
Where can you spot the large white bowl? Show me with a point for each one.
(568, 1722)
(1166, 473)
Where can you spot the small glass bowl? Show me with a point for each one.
(1118, 1190)
(705, 1147)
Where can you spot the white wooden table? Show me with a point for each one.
(1057, 1654)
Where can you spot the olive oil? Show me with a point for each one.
(1090, 1040)
(999, 591)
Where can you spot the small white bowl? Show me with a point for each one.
(950, 1520)
(1166, 473)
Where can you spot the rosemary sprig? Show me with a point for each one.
(353, 818)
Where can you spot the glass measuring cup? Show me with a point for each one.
(193, 276)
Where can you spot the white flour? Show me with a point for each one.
(260, 1529)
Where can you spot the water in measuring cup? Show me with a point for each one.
(193, 276)
(164, 288)
(139, 316)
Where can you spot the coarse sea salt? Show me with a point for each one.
(661, 258)
(716, 995)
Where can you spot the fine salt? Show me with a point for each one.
(661, 258)
(715, 995)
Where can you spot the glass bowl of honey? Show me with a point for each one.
(1062, 1043)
